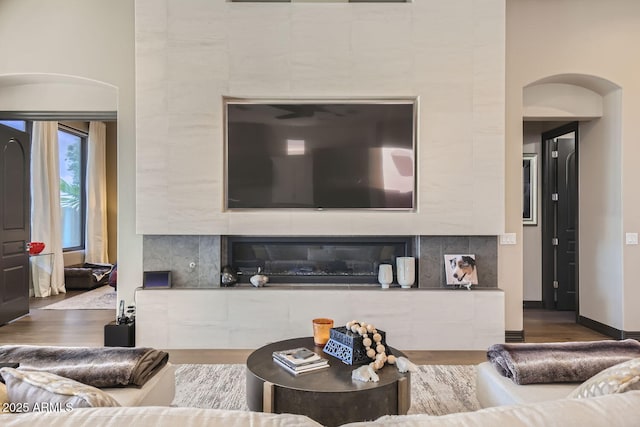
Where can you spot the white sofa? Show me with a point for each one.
(154, 416)
(617, 410)
(158, 391)
(546, 406)
(493, 389)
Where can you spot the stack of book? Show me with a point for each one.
(299, 360)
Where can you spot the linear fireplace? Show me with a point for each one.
(308, 260)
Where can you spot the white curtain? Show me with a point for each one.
(96, 244)
(48, 270)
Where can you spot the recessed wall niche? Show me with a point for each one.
(195, 261)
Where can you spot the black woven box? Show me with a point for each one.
(347, 346)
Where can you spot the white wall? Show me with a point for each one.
(532, 234)
(556, 101)
(450, 54)
(601, 232)
(92, 42)
(54, 92)
(589, 38)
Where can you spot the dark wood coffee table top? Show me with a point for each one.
(336, 378)
(330, 387)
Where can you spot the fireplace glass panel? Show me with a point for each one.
(312, 260)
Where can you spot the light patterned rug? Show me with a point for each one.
(435, 389)
(102, 298)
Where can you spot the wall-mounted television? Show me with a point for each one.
(329, 154)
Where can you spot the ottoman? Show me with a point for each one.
(86, 276)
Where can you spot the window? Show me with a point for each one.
(72, 152)
(16, 124)
(72, 157)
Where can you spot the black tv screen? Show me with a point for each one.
(320, 155)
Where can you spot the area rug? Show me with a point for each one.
(435, 389)
(102, 298)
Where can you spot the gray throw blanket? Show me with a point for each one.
(96, 366)
(559, 362)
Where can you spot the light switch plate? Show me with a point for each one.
(631, 238)
(508, 239)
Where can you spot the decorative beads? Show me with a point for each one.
(377, 354)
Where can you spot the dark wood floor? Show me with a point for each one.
(85, 328)
(556, 326)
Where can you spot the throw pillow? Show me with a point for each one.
(618, 378)
(3, 397)
(44, 391)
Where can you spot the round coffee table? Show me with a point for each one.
(328, 396)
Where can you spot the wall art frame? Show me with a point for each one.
(530, 189)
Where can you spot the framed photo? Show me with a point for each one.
(156, 280)
(460, 269)
(530, 189)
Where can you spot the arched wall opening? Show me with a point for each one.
(45, 96)
(597, 104)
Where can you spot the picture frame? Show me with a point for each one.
(156, 280)
(461, 270)
(530, 189)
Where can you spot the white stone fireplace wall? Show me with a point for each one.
(189, 54)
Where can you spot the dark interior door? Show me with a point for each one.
(560, 221)
(14, 233)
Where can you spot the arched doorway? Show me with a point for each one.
(593, 105)
(42, 97)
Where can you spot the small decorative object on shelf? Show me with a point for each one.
(259, 280)
(461, 270)
(156, 279)
(385, 275)
(406, 271)
(229, 277)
